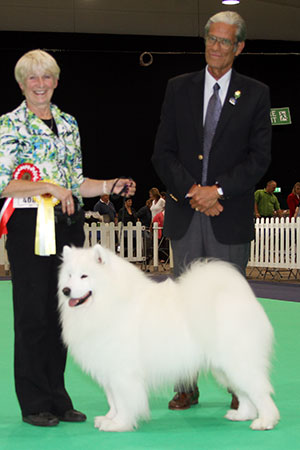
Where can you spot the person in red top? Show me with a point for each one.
(293, 199)
(159, 218)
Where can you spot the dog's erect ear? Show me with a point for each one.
(99, 253)
(66, 250)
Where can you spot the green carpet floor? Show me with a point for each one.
(201, 427)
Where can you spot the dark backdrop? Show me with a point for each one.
(117, 101)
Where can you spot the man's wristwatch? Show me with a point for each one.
(220, 190)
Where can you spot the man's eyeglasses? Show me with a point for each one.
(224, 43)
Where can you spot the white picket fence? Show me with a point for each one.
(276, 245)
(132, 242)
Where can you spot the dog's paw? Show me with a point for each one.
(232, 414)
(263, 424)
(114, 425)
(98, 420)
(238, 415)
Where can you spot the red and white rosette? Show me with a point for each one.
(25, 171)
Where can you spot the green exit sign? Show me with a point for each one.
(280, 116)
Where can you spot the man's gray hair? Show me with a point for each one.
(230, 18)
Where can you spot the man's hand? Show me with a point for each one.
(205, 199)
(214, 210)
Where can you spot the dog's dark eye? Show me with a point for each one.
(83, 276)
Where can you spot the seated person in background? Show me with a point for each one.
(163, 244)
(266, 203)
(144, 214)
(293, 199)
(127, 213)
(159, 218)
(145, 217)
(106, 209)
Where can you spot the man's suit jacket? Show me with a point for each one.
(239, 156)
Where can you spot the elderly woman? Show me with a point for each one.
(41, 177)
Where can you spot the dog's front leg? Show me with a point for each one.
(129, 398)
(112, 409)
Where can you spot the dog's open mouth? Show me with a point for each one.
(80, 300)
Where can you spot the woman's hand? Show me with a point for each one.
(65, 196)
(123, 186)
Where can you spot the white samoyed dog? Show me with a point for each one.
(132, 334)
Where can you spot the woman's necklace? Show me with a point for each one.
(51, 124)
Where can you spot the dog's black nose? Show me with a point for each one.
(66, 291)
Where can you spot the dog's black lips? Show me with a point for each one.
(79, 301)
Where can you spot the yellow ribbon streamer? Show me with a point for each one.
(45, 243)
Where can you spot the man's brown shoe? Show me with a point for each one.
(184, 400)
(234, 402)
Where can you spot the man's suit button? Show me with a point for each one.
(200, 157)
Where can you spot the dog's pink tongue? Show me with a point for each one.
(73, 301)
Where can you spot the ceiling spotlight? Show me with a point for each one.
(230, 2)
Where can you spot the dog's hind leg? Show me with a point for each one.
(268, 414)
(254, 391)
(130, 400)
(220, 376)
(245, 411)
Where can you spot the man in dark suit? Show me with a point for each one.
(210, 183)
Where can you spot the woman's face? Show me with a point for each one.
(38, 89)
(129, 203)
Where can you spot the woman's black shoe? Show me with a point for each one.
(71, 415)
(42, 419)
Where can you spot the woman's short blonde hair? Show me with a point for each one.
(33, 61)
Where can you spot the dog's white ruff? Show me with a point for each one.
(134, 334)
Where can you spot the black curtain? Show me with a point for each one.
(117, 101)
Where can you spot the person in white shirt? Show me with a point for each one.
(158, 203)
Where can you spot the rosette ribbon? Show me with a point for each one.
(25, 171)
(45, 243)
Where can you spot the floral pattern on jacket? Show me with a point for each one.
(24, 138)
